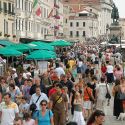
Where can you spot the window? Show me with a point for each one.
(13, 9)
(0, 5)
(19, 3)
(22, 5)
(19, 24)
(5, 7)
(13, 28)
(77, 24)
(16, 24)
(22, 25)
(44, 12)
(84, 24)
(29, 7)
(84, 34)
(71, 33)
(41, 30)
(9, 8)
(5, 27)
(66, 21)
(77, 33)
(26, 5)
(29, 26)
(71, 24)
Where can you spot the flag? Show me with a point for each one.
(37, 8)
(51, 13)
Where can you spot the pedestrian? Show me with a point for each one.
(59, 106)
(28, 120)
(118, 106)
(8, 110)
(23, 107)
(37, 97)
(109, 73)
(18, 121)
(88, 100)
(96, 118)
(101, 91)
(78, 108)
(44, 116)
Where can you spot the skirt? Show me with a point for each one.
(78, 118)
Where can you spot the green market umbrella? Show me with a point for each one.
(43, 51)
(41, 45)
(6, 43)
(62, 43)
(10, 52)
(41, 55)
(20, 47)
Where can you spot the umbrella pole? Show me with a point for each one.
(7, 64)
(12, 62)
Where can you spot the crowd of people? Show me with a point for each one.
(74, 90)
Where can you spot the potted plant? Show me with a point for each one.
(5, 35)
(14, 36)
(8, 35)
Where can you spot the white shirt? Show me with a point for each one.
(109, 69)
(8, 113)
(34, 98)
(93, 57)
(60, 71)
(101, 89)
(30, 122)
(80, 63)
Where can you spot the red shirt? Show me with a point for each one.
(52, 91)
(103, 69)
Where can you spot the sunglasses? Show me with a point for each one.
(43, 104)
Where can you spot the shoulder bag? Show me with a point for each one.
(107, 96)
(33, 105)
(57, 100)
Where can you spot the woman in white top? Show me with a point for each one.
(79, 65)
(101, 90)
(36, 72)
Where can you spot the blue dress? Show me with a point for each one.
(44, 120)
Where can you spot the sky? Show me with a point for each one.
(121, 7)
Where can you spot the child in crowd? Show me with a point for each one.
(27, 120)
(24, 106)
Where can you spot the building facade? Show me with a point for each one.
(82, 25)
(7, 16)
(48, 25)
(101, 8)
(104, 16)
(122, 24)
